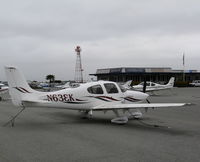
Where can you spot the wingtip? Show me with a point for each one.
(189, 104)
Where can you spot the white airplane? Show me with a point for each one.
(88, 97)
(43, 85)
(151, 86)
(3, 90)
(68, 85)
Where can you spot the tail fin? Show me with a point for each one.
(171, 82)
(18, 86)
(127, 84)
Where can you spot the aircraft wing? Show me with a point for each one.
(158, 89)
(136, 106)
(152, 89)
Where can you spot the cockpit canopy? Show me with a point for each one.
(96, 89)
(110, 88)
(148, 84)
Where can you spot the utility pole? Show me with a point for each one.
(183, 67)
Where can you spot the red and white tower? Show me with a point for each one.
(78, 69)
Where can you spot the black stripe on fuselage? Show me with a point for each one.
(19, 89)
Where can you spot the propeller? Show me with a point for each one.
(146, 108)
(148, 101)
(144, 91)
(144, 85)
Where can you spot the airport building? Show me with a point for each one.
(137, 74)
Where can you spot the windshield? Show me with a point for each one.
(123, 89)
(111, 88)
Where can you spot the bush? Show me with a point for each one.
(181, 84)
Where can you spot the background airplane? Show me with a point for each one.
(68, 85)
(86, 98)
(150, 86)
(3, 90)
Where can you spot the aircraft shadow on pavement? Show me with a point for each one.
(51, 120)
(145, 125)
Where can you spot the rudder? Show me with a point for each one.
(171, 82)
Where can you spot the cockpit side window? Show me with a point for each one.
(96, 89)
(111, 88)
(148, 84)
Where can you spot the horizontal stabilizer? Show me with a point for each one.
(34, 101)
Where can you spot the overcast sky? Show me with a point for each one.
(39, 36)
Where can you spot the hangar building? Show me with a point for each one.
(137, 74)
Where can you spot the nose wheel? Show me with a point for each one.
(120, 120)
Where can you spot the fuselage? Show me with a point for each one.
(85, 96)
(151, 86)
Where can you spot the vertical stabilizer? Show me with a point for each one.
(127, 84)
(171, 82)
(18, 86)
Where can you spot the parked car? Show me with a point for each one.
(195, 83)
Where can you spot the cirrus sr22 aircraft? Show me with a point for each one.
(151, 86)
(87, 98)
(3, 90)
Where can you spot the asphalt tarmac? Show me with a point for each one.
(55, 135)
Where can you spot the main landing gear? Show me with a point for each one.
(86, 114)
(124, 119)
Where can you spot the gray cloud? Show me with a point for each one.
(40, 36)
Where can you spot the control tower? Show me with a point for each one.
(78, 69)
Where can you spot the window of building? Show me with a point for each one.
(96, 89)
(111, 88)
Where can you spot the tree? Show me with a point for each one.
(51, 78)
